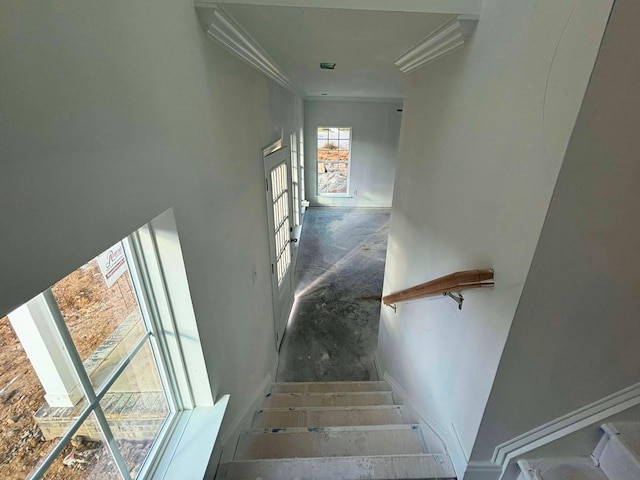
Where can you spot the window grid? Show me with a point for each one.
(95, 394)
(280, 199)
(92, 396)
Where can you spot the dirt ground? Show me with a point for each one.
(333, 154)
(91, 312)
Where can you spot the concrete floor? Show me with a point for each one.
(333, 333)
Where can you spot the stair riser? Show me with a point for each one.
(327, 400)
(329, 444)
(618, 461)
(328, 418)
(323, 387)
(346, 468)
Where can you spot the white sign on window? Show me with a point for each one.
(112, 264)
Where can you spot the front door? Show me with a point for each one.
(278, 184)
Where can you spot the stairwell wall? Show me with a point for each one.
(574, 338)
(483, 136)
(113, 112)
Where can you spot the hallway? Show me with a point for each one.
(333, 333)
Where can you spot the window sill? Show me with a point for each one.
(190, 446)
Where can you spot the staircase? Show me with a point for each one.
(346, 430)
(616, 457)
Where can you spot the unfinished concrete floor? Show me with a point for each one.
(333, 333)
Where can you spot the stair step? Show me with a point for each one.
(420, 466)
(562, 468)
(618, 457)
(323, 387)
(331, 399)
(329, 416)
(631, 433)
(330, 442)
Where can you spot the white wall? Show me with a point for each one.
(112, 112)
(574, 338)
(374, 149)
(483, 137)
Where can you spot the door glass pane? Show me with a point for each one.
(280, 199)
(136, 409)
(101, 310)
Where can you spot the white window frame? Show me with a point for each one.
(295, 180)
(159, 277)
(347, 194)
(303, 197)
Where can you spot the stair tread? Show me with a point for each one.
(329, 442)
(562, 468)
(319, 387)
(412, 466)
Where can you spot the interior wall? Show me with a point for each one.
(374, 149)
(574, 338)
(483, 136)
(111, 113)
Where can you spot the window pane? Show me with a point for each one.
(343, 144)
(24, 437)
(101, 311)
(345, 133)
(332, 177)
(334, 134)
(86, 456)
(136, 409)
(323, 133)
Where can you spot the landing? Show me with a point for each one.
(333, 333)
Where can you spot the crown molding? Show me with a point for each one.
(392, 100)
(446, 39)
(454, 7)
(224, 28)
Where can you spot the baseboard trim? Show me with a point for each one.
(243, 420)
(378, 366)
(567, 424)
(445, 437)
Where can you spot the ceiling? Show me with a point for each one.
(363, 44)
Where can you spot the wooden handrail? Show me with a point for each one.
(454, 282)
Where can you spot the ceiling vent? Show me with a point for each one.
(328, 66)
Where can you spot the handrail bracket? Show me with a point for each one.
(394, 306)
(458, 298)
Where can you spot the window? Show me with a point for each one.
(334, 155)
(96, 364)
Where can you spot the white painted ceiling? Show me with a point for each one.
(363, 44)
